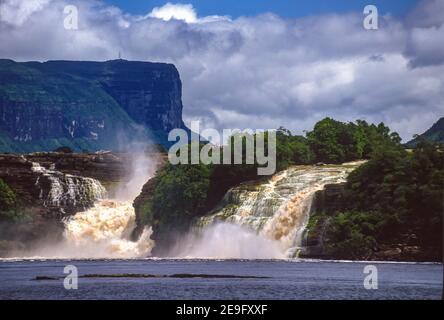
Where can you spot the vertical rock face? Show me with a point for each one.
(86, 105)
(149, 93)
(57, 185)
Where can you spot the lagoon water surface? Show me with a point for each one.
(217, 279)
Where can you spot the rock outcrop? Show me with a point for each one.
(87, 105)
(329, 202)
(54, 185)
(325, 204)
(139, 206)
(141, 202)
(330, 199)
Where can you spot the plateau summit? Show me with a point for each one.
(86, 105)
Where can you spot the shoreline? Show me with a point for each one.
(158, 259)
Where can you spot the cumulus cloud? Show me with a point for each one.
(425, 40)
(263, 71)
(427, 14)
(17, 12)
(185, 12)
(170, 11)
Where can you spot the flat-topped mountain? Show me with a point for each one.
(86, 105)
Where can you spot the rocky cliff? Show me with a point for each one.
(86, 105)
(54, 185)
(327, 203)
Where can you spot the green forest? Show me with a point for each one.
(395, 197)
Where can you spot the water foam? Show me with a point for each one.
(227, 241)
(104, 232)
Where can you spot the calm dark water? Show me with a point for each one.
(287, 280)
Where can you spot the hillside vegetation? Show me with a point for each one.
(394, 201)
(181, 193)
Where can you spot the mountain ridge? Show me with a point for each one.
(434, 134)
(87, 105)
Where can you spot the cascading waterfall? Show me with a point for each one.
(278, 209)
(100, 231)
(255, 220)
(104, 230)
(67, 190)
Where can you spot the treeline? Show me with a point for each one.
(180, 193)
(333, 141)
(396, 198)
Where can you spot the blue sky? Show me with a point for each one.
(284, 8)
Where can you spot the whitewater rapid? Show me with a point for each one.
(104, 231)
(100, 231)
(276, 210)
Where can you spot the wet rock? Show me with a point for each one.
(411, 250)
(389, 254)
(34, 178)
(330, 199)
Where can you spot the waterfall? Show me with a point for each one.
(103, 228)
(100, 232)
(66, 191)
(104, 231)
(279, 208)
(263, 219)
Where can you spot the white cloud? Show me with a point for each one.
(178, 11)
(184, 12)
(262, 71)
(17, 12)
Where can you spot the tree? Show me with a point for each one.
(8, 202)
(336, 142)
(7, 196)
(181, 192)
(329, 140)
